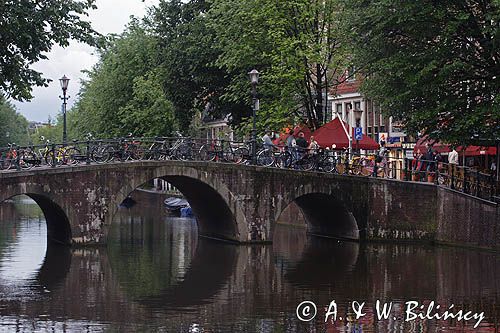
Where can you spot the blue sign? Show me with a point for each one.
(358, 133)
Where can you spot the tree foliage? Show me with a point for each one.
(13, 126)
(28, 30)
(434, 65)
(187, 55)
(295, 44)
(124, 94)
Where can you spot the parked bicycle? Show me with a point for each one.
(220, 151)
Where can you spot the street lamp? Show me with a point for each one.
(64, 85)
(254, 80)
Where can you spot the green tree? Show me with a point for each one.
(28, 30)
(123, 94)
(295, 44)
(434, 65)
(187, 55)
(13, 125)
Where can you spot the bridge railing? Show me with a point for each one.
(48, 154)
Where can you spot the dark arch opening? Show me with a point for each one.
(327, 216)
(214, 217)
(58, 227)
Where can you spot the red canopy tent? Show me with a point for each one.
(444, 148)
(333, 133)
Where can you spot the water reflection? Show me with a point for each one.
(157, 275)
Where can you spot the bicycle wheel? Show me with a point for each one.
(28, 160)
(7, 163)
(206, 153)
(284, 160)
(109, 153)
(153, 152)
(51, 159)
(71, 156)
(135, 152)
(228, 155)
(265, 158)
(241, 155)
(98, 154)
(306, 163)
(356, 167)
(184, 152)
(327, 164)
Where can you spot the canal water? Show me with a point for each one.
(157, 275)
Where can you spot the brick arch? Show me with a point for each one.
(59, 229)
(217, 211)
(325, 213)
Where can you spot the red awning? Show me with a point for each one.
(444, 148)
(333, 133)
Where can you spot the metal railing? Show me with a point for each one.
(460, 178)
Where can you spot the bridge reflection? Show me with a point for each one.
(157, 273)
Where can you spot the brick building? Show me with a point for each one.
(347, 98)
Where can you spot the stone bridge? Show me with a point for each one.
(242, 203)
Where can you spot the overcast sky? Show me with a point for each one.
(111, 16)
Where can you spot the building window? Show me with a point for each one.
(357, 105)
(338, 109)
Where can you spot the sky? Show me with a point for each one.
(111, 16)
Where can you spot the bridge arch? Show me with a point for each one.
(217, 212)
(58, 224)
(325, 214)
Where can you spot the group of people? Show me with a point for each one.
(297, 143)
(427, 161)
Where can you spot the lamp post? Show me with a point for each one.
(64, 85)
(254, 80)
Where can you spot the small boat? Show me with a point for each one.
(174, 204)
(187, 212)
